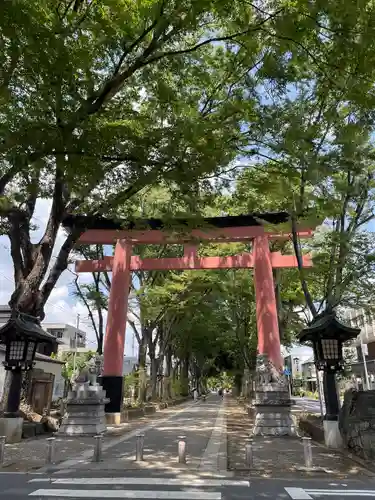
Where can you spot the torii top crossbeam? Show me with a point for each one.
(238, 228)
(189, 233)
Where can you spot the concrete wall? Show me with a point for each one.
(54, 368)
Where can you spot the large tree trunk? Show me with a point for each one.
(31, 260)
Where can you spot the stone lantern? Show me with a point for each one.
(20, 335)
(327, 335)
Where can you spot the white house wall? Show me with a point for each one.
(59, 381)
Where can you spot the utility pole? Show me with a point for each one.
(364, 349)
(75, 344)
(320, 392)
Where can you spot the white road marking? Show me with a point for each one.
(306, 494)
(141, 494)
(345, 493)
(146, 481)
(298, 494)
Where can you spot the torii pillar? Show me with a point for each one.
(266, 307)
(114, 340)
(272, 403)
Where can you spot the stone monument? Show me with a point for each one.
(85, 415)
(272, 401)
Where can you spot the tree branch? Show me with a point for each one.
(60, 265)
(81, 295)
(297, 251)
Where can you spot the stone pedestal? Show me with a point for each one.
(85, 414)
(272, 401)
(273, 411)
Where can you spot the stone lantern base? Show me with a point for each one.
(273, 411)
(273, 416)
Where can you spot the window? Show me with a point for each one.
(56, 332)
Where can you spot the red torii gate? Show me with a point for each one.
(218, 229)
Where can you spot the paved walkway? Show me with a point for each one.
(280, 456)
(30, 454)
(203, 425)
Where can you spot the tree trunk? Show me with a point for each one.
(142, 377)
(167, 376)
(237, 384)
(4, 397)
(154, 369)
(175, 379)
(154, 378)
(100, 331)
(185, 377)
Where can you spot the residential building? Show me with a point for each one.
(365, 342)
(69, 337)
(293, 362)
(309, 374)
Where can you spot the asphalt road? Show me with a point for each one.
(310, 405)
(180, 486)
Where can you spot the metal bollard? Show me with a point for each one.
(98, 448)
(307, 452)
(249, 453)
(182, 449)
(2, 449)
(139, 447)
(51, 450)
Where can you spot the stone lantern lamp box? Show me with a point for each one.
(20, 335)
